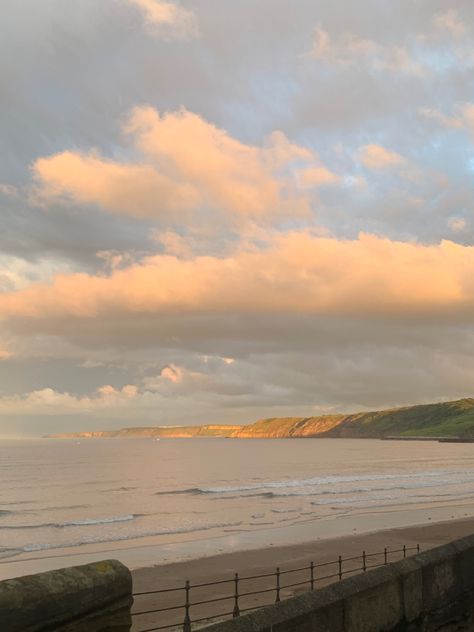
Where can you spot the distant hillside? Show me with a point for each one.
(445, 419)
(174, 432)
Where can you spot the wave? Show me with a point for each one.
(58, 508)
(257, 495)
(345, 490)
(74, 523)
(173, 492)
(7, 553)
(405, 500)
(47, 546)
(331, 480)
(120, 489)
(444, 477)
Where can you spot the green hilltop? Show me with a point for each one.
(445, 419)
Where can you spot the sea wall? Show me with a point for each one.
(432, 591)
(91, 598)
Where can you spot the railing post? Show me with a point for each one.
(236, 611)
(311, 568)
(187, 605)
(404, 551)
(385, 555)
(340, 567)
(417, 548)
(277, 585)
(364, 561)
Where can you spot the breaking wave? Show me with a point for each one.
(48, 546)
(312, 486)
(74, 523)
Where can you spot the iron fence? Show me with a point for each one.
(312, 575)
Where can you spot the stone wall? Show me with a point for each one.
(91, 598)
(432, 591)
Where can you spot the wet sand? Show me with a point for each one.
(265, 560)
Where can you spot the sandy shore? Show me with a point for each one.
(262, 561)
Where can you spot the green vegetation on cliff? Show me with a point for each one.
(445, 419)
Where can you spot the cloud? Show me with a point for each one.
(167, 18)
(174, 380)
(348, 50)
(331, 366)
(147, 394)
(17, 272)
(378, 158)
(449, 21)
(462, 117)
(457, 224)
(337, 323)
(293, 273)
(48, 401)
(136, 190)
(8, 190)
(172, 373)
(317, 176)
(187, 164)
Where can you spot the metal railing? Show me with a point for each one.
(313, 575)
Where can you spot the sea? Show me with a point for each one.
(158, 501)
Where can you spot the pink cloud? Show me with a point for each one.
(172, 373)
(377, 157)
(187, 164)
(137, 190)
(295, 272)
(462, 117)
(349, 49)
(167, 18)
(317, 176)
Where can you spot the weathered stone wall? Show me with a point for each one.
(91, 598)
(430, 592)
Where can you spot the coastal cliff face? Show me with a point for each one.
(445, 419)
(281, 427)
(173, 432)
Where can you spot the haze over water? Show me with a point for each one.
(118, 494)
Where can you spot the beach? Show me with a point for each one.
(265, 560)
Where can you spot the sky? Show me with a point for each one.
(217, 212)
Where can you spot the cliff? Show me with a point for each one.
(174, 432)
(445, 419)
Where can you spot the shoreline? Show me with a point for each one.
(171, 550)
(427, 535)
